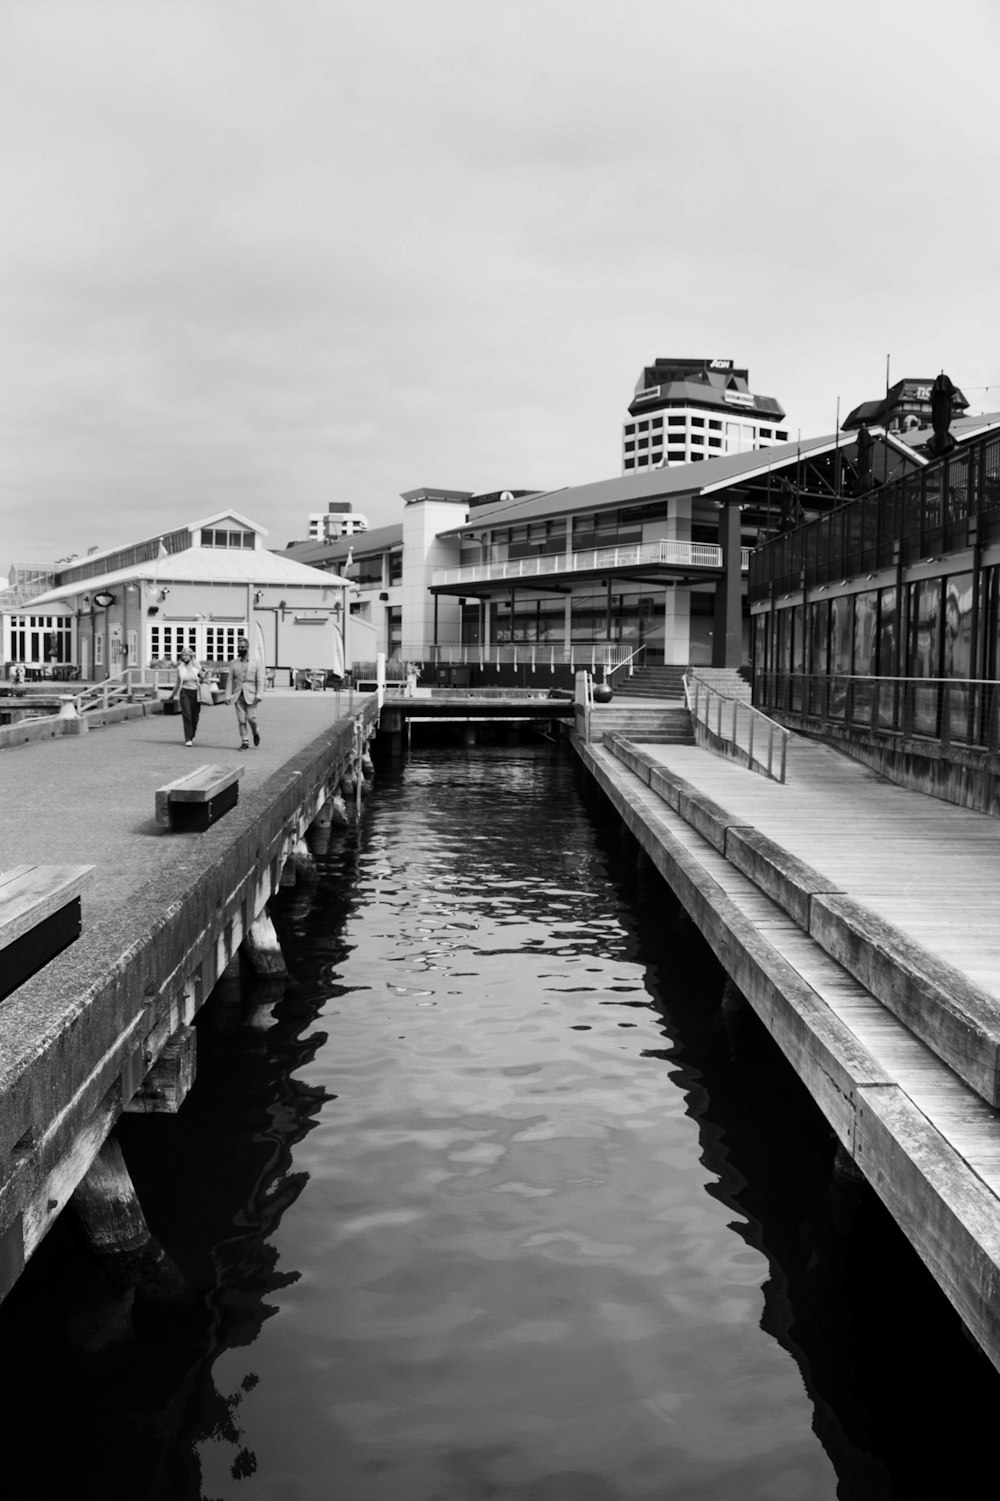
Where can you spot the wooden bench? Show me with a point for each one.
(39, 917)
(192, 803)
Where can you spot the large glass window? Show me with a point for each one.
(924, 651)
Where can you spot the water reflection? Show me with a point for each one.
(494, 1201)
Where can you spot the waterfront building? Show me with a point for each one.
(688, 411)
(647, 567)
(878, 624)
(202, 586)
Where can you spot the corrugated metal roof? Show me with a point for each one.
(649, 484)
(362, 544)
(206, 565)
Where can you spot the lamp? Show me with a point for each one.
(258, 595)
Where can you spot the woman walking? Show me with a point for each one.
(186, 689)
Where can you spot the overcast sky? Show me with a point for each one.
(265, 254)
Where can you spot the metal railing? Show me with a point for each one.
(737, 728)
(951, 711)
(546, 565)
(537, 655)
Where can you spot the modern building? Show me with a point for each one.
(877, 626)
(645, 567)
(686, 411)
(338, 520)
(202, 586)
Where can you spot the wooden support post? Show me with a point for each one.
(109, 1211)
(166, 1085)
(263, 949)
(305, 865)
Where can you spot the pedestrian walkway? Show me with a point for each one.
(88, 799)
(927, 867)
(858, 919)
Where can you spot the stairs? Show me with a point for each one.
(648, 724)
(729, 681)
(663, 683)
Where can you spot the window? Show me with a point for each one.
(98, 648)
(716, 425)
(643, 427)
(167, 641)
(221, 642)
(780, 437)
(657, 421)
(630, 463)
(715, 442)
(677, 454)
(224, 537)
(675, 421)
(629, 447)
(629, 428)
(697, 422)
(765, 432)
(697, 438)
(643, 442)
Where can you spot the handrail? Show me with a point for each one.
(738, 736)
(626, 662)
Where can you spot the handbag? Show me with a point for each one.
(205, 695)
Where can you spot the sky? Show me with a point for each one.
(266, 254)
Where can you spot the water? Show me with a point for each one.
(495, 1202)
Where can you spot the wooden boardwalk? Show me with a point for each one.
(924, 875)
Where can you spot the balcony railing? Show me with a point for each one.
(664, 554)
(537, 655)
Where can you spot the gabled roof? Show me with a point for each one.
(205, 565)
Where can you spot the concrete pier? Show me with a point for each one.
(163, 916)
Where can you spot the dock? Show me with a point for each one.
(105, 1026)
(858, 920)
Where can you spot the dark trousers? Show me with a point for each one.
(190, 711)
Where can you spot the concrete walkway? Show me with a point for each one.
(88, 799)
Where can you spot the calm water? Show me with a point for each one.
(493, 1201)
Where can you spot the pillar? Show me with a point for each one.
(727, 637)
(108, 1208)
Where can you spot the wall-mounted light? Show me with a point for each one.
(258, 595)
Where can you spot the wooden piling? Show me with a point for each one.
(263, 949)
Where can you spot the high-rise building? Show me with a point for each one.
(338, 520)
(686, 410)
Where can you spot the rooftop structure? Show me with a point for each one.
(905, 407)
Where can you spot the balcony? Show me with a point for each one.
(672, 557)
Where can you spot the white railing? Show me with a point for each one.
(539, 656)
(737, 728)
(548, 565)
(121, 688)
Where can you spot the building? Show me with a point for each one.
(905, 407)
(686, 411)
(202, 586)
(647, 567)
(338, 520)
(877, 626)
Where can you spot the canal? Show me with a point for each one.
(494, 1199)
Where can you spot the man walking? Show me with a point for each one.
(246, 688)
